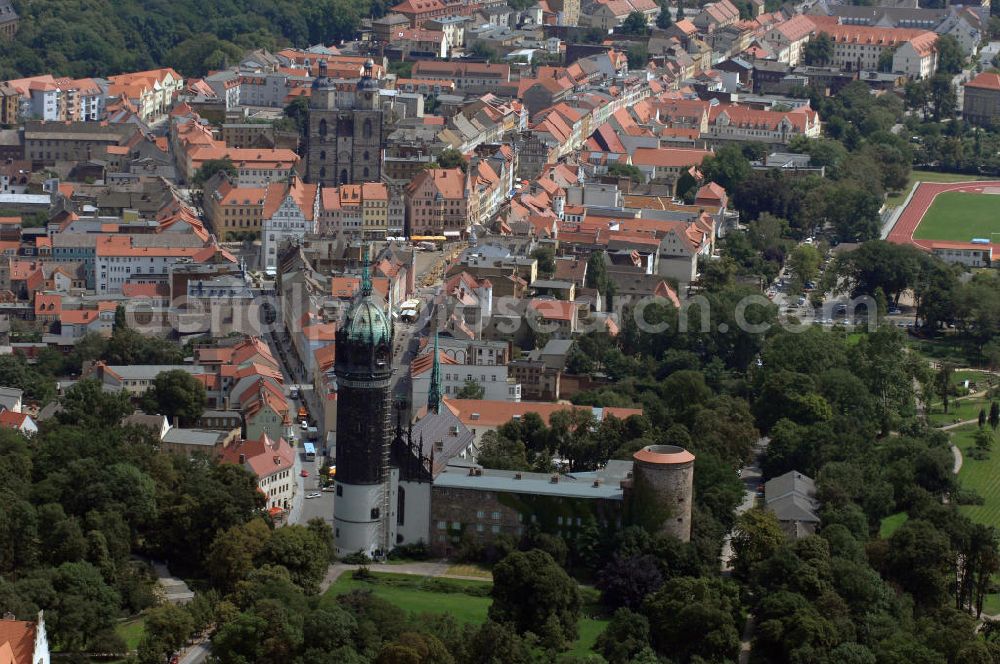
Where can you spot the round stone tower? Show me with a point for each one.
(664, 476)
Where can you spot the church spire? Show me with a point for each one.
(434, 393)
(366, 279)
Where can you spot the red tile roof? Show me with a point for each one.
(492, 414)
(17, 641)
(985, 81)
(668, 157)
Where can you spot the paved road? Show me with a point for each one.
(752, 479)
(436, 569)
(195, 654)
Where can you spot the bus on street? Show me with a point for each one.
(310, 450)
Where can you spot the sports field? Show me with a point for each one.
(960, 216)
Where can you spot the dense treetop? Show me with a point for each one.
(80, 38)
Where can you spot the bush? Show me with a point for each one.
(357, 558)
(968, 497)
(418, 551)
(977, 453)
(362, 574)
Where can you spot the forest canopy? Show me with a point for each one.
(80, 38)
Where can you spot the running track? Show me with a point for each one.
(920, 202)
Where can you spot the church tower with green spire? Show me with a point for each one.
(363, 365)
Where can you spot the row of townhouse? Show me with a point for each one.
(293, 209)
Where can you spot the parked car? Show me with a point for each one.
(304, 473)
(314, 494)
(304, 425)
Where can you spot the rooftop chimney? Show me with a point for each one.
(554, 479)
(243, 459)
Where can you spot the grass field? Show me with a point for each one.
(929, 176)
(959, 217)
(132, 631)
(416, 594)
(958, 411)
(983, 477)
(891, 524)
(952, 348)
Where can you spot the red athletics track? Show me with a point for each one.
(920, 202)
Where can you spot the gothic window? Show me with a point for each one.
(322, 172)
(322, 127)
(343, 177)
(366, 171)
(367, 131)
(375, 513)
(367, 156)
(322, 155)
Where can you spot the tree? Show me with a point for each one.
(167, 630)
(624, 637)
(663, 20)
(950, 57)
(546, 257)
(942, 382)
(885, 59)
(501, 453)
(944, 99)
(695, 617)
(728, 167)
(625, 582)
(497, 643)
(638, 56)
(620, 170)
(176, 393)
(756, 537)
(452, 158)
(804, 263)
(297, 111)
(686, 188)
(634, 24)
(213, 166)
(233, 552)
(83, 605)
(982, 417)
(86, 403)
(920, 559)
(202, 52)
(819, 50)
(984, 439)
(471, 390)
(484, 51)
(302, 552)
(534, 594)
(994, 415)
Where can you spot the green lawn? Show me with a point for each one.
(947, 348)
(983, 477)
(418, 595)
(132, 631)
(891, 524)
(959, 217)
(958, 411)
(930, 176)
